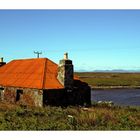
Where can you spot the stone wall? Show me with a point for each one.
(79, 95)
(83, 91)
(56, 97)
(31, 97)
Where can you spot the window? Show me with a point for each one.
(19, 92)
(1, 94)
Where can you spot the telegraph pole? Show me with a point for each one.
(38, 53)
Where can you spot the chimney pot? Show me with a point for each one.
(65, 56)
(1, 59)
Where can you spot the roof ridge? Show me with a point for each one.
(44, 74)
(23, 59)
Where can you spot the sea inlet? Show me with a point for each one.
(123, 97)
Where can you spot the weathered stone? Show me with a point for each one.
(65, 73)
(80, 95)
(31, 97)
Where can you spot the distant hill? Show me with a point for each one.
(111, 71)
(118, 70)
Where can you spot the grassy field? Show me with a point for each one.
(97, 117)
(111, 80)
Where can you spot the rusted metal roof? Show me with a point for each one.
(40, 73)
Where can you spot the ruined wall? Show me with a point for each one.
(54, 97)
(83, 92)
(32, 97)
(80, 95)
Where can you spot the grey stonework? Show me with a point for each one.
(31, 97)
(79, 95)
(65, 73)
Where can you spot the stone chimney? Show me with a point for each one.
(1, 62)
(65, 72)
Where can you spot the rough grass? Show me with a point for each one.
(111, 79)
(97, 117)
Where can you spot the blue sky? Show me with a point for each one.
(94, 39)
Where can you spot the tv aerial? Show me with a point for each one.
(37, 53)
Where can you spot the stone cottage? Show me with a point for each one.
(40, 82)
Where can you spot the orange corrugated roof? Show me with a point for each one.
(40, 73)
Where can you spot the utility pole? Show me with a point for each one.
(38, 53)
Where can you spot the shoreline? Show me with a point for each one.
(113, 87)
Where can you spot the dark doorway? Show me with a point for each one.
(19, 92)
